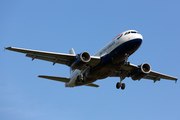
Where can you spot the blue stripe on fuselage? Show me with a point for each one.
(112, 61)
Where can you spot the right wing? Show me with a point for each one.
(66, 59)
(155, 76)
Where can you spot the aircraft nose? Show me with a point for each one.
(137, 39)
(141, 37)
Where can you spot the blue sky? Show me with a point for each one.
(60, 25)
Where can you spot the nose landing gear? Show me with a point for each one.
(123, 74)
(126, 63)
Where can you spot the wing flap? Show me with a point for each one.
(149, 77)
(60, 79)
(50, 59)
(163, 76)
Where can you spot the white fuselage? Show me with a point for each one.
(111, 47)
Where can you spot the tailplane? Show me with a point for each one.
(60, 79)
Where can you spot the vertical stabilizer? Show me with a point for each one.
(71, 51)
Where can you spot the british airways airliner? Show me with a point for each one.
(110, 61)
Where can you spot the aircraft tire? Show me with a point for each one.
(78, 78)
(123, 86)
(118, 85)
(84, 79)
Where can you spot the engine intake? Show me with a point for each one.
(141, 71)
(81, 60)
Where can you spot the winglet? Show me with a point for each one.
(7, 48)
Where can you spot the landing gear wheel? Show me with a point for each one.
(118, 85)
(84, 79)
(123, 86)
(78, 79)
(126, 63)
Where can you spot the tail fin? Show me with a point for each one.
(71, 51)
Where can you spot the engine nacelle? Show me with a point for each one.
(141, 71)
(81, 60)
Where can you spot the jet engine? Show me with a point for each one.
(141, 71)
(81, 60)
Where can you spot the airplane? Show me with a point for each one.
(110, 61)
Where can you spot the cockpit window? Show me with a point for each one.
(126, 33)
(133, 32)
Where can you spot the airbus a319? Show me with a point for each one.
(110, 61)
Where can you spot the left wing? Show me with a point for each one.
(66, 59)
(156, 76)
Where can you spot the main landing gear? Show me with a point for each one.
(120, 85)
(123, 74)
(81, 78)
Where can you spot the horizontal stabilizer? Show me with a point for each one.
(60, 79)
(92, 85)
